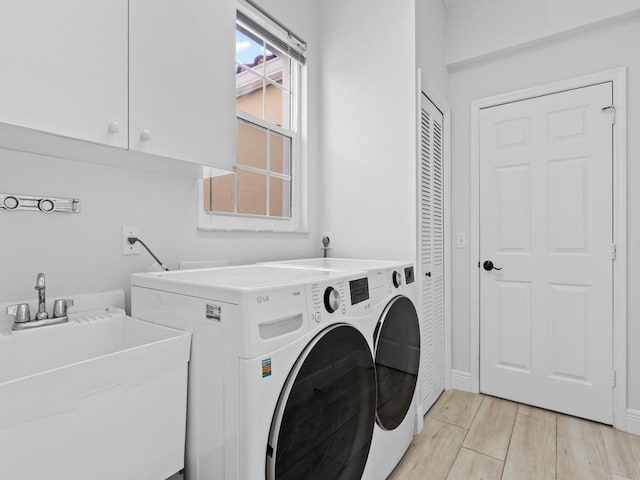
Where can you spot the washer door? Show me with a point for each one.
(397, 350)
(323, 423)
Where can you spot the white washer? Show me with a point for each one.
(397, 346)
(282, 379)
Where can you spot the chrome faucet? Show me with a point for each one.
(22, 318)
(42, 300)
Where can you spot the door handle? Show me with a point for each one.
(488, 266)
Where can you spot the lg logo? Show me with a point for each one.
(262, 298)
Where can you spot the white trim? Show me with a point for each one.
(461, 381)
(620, 220)
(633, 421)
(448, 245)
(618, 77)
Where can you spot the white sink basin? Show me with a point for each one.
(101, 397)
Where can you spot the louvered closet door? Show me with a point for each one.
(431, 246)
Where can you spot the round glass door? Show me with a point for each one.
(397, 358)
(323, 424)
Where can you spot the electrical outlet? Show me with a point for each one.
(461, 240)
(330, 243)
(127, 248)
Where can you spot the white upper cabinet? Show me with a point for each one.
(63, 68)
(182, 82)
(151, 76)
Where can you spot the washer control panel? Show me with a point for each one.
(328, 299)
(333, 299)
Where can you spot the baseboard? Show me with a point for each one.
(461, 380)
(633, 421)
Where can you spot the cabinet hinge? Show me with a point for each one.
(614, 251)
(614, 378)
(611, 109)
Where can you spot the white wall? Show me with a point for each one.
(480, 27)
(82, 252)
(368, 127)
(584, 52)
(430, 48)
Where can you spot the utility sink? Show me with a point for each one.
(100, 397)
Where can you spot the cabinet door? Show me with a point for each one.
(63, 68)
(181, 79)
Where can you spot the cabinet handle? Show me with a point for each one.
(114, 127)
(145, 135)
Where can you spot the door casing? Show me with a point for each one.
(619, 78)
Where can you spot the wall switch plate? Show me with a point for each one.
(461, 240)
(127, 248)
(329, 245)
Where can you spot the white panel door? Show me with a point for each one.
(546, 210)
(431, 255)
(182, 80)
(63, 68)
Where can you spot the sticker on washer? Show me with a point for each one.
(214, 312)
(266, 367)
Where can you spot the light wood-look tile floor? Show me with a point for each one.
(476, 437)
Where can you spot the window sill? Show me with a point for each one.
(252, 230)
(208, 222)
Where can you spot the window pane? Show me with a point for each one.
(249, 93)
(248, 47)
(278, 67)
(206, 194)
(252, 145)
(277, 106)
(279, 197)
(222, 193)
(280, 151)
(252, 193)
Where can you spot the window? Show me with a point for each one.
(264, 190)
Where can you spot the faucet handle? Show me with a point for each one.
(60, 307)
(20, 312)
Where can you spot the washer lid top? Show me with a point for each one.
(244, 277)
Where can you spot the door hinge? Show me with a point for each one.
(614, 378)
(614, 251)
(612, 110)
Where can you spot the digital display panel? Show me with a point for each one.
(408, 275)
(359, 290)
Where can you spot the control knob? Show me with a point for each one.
(397, 279)
(331, 299)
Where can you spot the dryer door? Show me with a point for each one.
(323, 423)
(397, 350)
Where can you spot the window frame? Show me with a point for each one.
(223, 221)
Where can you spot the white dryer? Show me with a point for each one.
(397, 343)
(282, 378)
